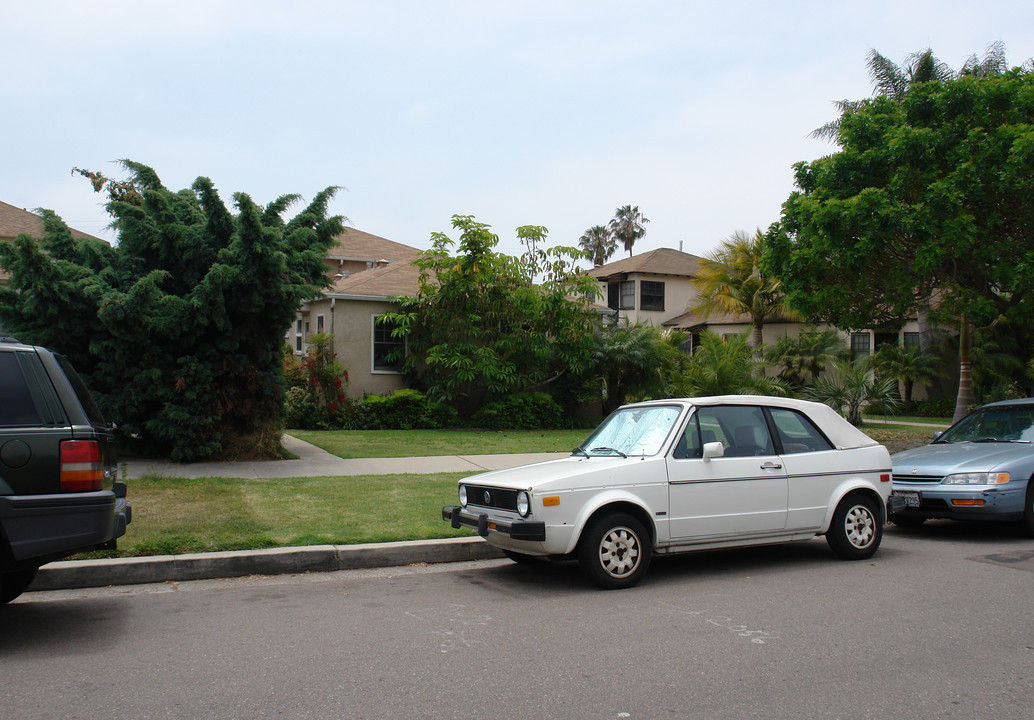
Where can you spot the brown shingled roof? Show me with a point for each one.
(397, 278)
(14, 221)
(662, 261)
(355, 244)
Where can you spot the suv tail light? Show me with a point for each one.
(81, 467)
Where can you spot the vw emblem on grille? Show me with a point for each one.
(488, 498)
(915, 470)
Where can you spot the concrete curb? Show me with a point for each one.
(68, 574)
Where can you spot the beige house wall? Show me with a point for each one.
(350, 321)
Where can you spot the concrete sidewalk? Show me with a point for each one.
(311, 462)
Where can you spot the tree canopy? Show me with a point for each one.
(928, 201)
(481, 326)
(179, 327)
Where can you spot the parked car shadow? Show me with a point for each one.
(61, 627)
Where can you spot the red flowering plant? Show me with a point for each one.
(325, 379)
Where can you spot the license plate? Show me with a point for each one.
(911, 498)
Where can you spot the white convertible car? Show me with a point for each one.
(675, 475)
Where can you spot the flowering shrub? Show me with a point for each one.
(319, 403)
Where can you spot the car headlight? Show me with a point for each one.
(523, 503)
(463, 495)
(988, 478)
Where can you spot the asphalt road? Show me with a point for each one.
(939, 624)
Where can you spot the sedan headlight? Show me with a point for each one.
(463, 495)
(989, 478)
(523, 503)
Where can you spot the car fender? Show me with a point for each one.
(847, 487)
(611, 496)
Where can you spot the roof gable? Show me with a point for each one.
(352, 244)
(662, 261)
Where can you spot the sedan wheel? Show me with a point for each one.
(615, 551)
(856, 530)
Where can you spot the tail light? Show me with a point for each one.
(81, 466)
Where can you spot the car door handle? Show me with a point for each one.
(771, 466)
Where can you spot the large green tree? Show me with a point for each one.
(730, 280)
(927, 204)
(482, 326)
(178, 327)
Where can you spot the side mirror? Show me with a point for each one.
(937, 434)
(713, 450)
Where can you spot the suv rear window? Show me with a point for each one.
(16, 405)
(85, 399)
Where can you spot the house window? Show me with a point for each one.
(298, 335)
(388, 351)
(612, 295)
(319, 323)
(911, 339)
(885, 338)
(627, 295)
(651, 295)
(860, 344)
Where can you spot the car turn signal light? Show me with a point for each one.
(551, 500)
(81, 467)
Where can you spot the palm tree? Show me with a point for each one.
(728, 367)
(804, 357)
(730, 281)
(852, 387)
(627, 226)
(636, 360)
(907, 365)
(599, 242)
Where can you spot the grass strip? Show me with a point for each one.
(424, 443)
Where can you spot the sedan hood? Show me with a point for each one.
(948, 458)
(563, 472)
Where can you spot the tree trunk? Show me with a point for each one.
(965, 398)
(757, 338)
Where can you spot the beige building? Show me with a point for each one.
(367, 271)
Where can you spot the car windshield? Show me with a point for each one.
(994, 424)
(632, 431)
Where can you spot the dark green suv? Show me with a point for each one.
(59, 492)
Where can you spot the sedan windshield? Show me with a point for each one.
(632, 431)
(994, 424)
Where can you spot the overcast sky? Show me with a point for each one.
(520, 113)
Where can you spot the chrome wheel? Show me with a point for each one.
(619, 552)
(860, 526)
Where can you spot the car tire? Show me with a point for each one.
(857, 528)
(520, 558)
(1027, 523)
(615, 551)
(13, 584)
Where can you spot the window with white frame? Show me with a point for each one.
(388, 352)
(627, 295)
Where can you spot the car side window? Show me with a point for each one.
(740, 428)
(16, 405)
(689, 445)
(797, 433)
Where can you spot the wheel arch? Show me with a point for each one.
(616, 505)
(854, 488)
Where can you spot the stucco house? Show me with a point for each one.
(366, 272)
(657, 287)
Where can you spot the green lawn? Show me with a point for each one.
(178, 515)
(422, 443)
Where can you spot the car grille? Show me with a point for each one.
(918, 478)
(499, 498)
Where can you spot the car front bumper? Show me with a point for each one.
(961, 502)
(485, 524)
